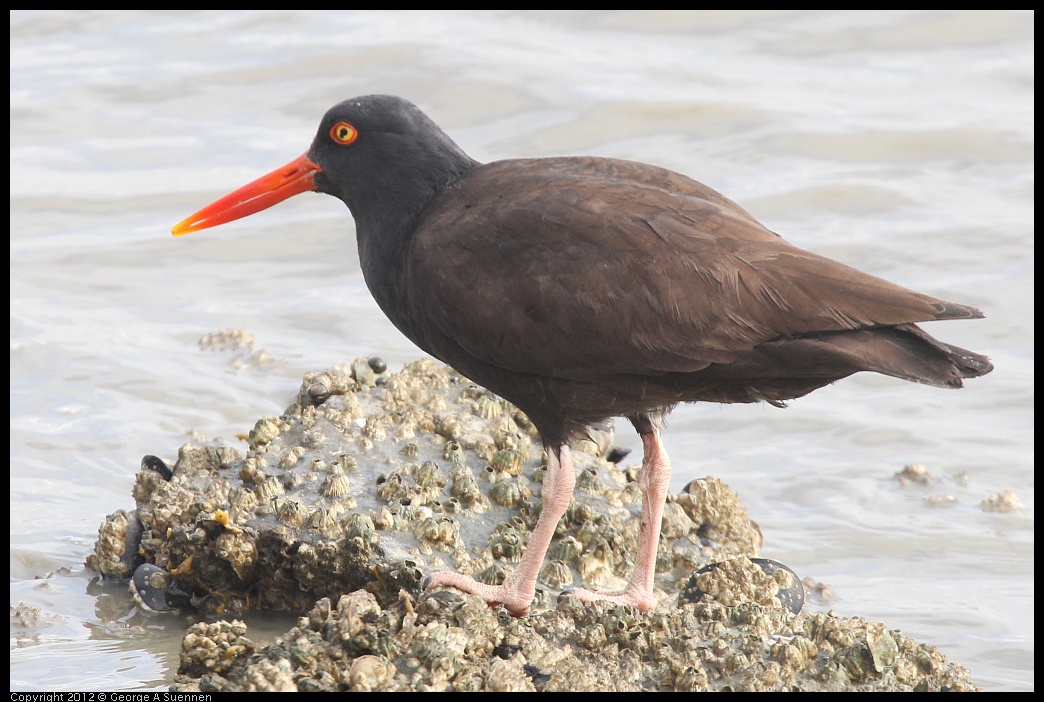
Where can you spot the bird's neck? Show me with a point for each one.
(384, 228)
(381, 248)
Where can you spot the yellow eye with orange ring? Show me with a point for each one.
(343, 133)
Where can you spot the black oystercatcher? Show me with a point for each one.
(587, 288)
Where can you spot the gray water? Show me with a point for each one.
(900, 142)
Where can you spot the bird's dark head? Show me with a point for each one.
(379, 154)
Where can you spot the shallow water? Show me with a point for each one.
(900, 142)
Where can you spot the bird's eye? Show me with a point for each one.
(343, 133)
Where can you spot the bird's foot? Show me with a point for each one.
(514, 598)
(642, 599)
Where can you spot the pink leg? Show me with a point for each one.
(518, 590)
(654, 479)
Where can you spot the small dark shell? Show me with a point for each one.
(158, 465)
(131, 547)
(157, 589)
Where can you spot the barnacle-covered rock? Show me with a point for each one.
(1006, 501)
(372, 479)
(762, 580)
(358, 476)
(116, 553)
(445, 640)
(213, 648)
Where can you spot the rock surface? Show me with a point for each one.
(372, 479)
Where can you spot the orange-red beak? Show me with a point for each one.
(282, 183)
